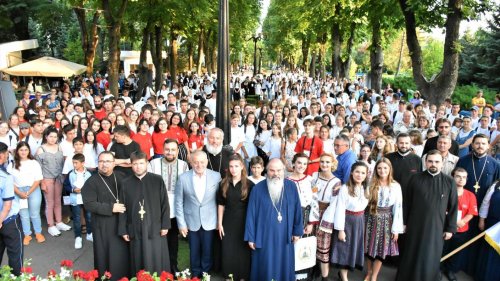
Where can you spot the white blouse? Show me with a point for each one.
(392, 196)
(304, 187)
(346, 202)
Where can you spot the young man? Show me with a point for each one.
(310, 145)
(467, 209)
(122, 148)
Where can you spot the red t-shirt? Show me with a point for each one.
(177, 133)
(198, 139)
(158, 139)
(313, 147)
(144, 142)
(467, 205)
(100, 114)
(104, 139)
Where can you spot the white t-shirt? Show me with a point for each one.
(28, 172)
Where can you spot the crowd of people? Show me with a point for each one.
(375, 177)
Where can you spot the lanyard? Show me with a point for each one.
(304, 144)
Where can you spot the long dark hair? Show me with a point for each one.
(17, 159)
(351, 184)
(49, 130)
(229, 178)
(94, 143)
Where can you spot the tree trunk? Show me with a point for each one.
(322, 55)
(400, 55)
(200, 50)
(102, 42)
(89, 39)
(173, 55)
(143, 64)
(156, 41)
(305, 52)
(346, 65)
(206, 51)
(312, 71)
(376, 56)
(443, 84)
(337, 47)
(190, 55)
(114, 21)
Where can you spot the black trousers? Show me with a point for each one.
(455, 262)
(11, 238)
(173, 243)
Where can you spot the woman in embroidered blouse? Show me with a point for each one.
(303, 183)
(385, 219)
(325, 190)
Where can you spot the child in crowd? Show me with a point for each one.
(256, 166)
(77, 178)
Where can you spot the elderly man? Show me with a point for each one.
(345, 158)
(217, 154)
(196, 211)
(100, 197)
(273, 224)
(430, 217)
(449, 160)
(405, 125)
(170, 167)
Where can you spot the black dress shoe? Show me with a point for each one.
(451, 276)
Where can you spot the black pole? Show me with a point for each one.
(222, 116)
(255, 56)
(260, 60)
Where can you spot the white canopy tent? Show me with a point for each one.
(47, 67)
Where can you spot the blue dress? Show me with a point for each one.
(273, 258)
(461, 140)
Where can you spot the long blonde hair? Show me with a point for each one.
(375, 185)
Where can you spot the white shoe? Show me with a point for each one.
(90, 237)
(62, 226)
(52, 230)
(78, 242)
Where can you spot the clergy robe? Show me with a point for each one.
(148, 250)
(273, 258)
(110, 250)
(490, 174)
(431, 210)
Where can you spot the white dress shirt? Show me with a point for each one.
(200, 185)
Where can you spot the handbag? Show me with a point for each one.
(305, 252)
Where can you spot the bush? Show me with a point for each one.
(404, 83)
(463, 95)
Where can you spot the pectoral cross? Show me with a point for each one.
(142, 212)
(476, 186)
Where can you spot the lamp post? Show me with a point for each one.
(255, 38)
(222, 116)
(260, 60)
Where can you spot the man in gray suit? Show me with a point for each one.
(196, 211)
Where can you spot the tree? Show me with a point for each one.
(425, 14)
(114, 13)
(89, 32)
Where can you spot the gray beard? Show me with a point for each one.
(275, 187)
(213, 150)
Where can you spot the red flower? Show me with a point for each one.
(195, 279)
(26, 270)
(123, 279)
(52, 273)
(139, 274)
(107, 275)
(92, 275)
(33, 278)
(166, 276)
(78, 274)
(67, 263)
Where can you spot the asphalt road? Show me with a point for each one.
(48, 255)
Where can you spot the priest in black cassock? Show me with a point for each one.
(482, 171)
(218, 155)
(100, 197)
(146, 221)
(430, 218)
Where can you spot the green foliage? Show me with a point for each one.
(479, 61)
(463, 94)
(432, 55)
(405, 83)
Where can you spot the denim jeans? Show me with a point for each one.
(77, 226)
(33, 211)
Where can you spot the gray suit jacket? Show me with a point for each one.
(189, 211)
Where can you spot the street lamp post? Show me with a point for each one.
(255, 38)
(260, 60)
(222, 116)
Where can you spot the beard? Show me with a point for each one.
(98, 106)
(433, 169)
(275, 187)
(213, 149)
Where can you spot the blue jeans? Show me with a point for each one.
(77, 226)
(33, 211)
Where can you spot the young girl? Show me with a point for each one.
(143, 138)
(256, 167)
(349, 222)
(273, 145)
(385, 219)
(381, 148)
(325, 190)
(159, 136)
(104, 136)
(249, 129)
(195, 138)
(324, 135)
(356, 138)
(91, 150)
(288, 149)
(364, 156)
(303, 183)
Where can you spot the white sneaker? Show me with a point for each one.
(62, 226)
(90, 237)
(78, 242)
(52, 230)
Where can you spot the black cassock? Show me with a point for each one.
(431, 210)
(148, 250)
(110, 250)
